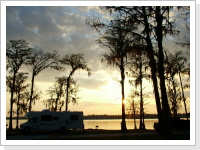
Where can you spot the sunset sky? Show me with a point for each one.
(63, 28)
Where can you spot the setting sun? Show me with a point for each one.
(124, 101)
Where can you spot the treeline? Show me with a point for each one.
(146, 116)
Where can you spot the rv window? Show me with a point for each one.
(46, 118)
(55, 118)
(74, 117)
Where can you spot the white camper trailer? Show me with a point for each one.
(47, 120)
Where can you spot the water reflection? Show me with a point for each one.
(115, 124)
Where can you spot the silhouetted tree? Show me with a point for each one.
(17, 52)
(184, 12)
(176, 65)
(173, 93)
(133, 105)
(182, 70)
(40, 60)
(163, 27)
(76, 62)
(36, 96)
(73, 91)
(118, 41)
(171, 70)
(137, 67)
(56, 93)
(20, 88)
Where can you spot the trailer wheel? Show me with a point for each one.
(62, 129)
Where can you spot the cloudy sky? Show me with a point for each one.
(63, 28)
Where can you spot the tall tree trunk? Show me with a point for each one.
(11, 99)
(152, 63)
(165, 104)
(123, 124)
(32, 87)
(141, 98)
(17, 125)
(67, 93)
(183, 97)
(174, 103)
(143, 120)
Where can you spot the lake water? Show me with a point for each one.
(115, 124)
(107, 124)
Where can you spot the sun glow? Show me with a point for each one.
(124, 101)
